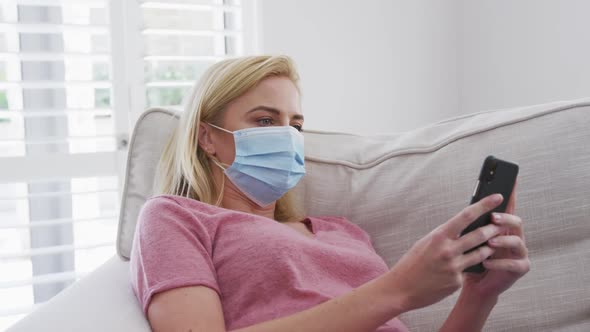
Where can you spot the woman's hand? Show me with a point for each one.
(510, 260)
(433, 268)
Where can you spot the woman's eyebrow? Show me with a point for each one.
(274, 110)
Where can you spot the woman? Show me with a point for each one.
(222, 247)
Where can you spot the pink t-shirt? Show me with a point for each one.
(261, 269)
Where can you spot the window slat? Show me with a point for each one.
(182, 32)
(183, 58)
(64, 140)
(52, 56)
(54, 84)
(53, 222)
(60, 3)
(187, 6)
(164, 84)
(57, 166)
(56, 113)
(45, 28)
(56, 193)
(54, 250)
(42, 279)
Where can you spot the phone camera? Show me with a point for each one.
(490, 174)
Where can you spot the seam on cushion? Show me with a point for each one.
(178, 283)
(124, 194)
(571, 102)
(314, 131)
(460, 117)
(441, 144)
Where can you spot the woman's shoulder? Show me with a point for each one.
(187, 204)
(181, 201)
(166, 210)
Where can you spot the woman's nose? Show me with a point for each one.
(284, 122)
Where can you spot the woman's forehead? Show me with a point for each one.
(275, 95)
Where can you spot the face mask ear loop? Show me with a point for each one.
(218, 163)
(214, 159)
(222, 129)
(222, 187)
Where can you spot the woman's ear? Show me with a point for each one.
(205, 141)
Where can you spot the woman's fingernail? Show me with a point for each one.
(493, 241)
(497, 216)
(497, 198)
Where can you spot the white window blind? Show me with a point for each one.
(74, 77)
(181, 39)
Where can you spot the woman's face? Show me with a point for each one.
(273, 102)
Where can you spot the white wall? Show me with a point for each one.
(523, 52)
(367, 66)
(374, 66)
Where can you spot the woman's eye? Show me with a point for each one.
(298, 127)
(265, 122)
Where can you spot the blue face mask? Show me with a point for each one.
(269, 162)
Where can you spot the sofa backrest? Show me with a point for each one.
(398, 187)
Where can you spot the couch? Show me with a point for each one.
(398, 187)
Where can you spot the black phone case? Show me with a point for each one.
(496, 176)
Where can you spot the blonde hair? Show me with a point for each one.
(183, 172)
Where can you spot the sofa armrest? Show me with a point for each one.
(101, 301)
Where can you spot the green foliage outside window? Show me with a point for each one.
(174, 71)
(102, 98)
(100, 71)
(3, 105)
(171, 71)
(165, 96)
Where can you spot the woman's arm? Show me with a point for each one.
(469, 314)
(363, 309)
(198, 308)
(192, 308)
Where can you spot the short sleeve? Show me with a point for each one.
(171, 249)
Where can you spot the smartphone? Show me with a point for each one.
(496, 176)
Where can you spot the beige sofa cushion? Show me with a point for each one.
(399, 187)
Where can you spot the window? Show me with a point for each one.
(74, 76)
(180, 41)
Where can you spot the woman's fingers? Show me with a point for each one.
(458, 223)
(477, 237)
(510, 221)
(512, 242)
(475, 257)
(512, 200)
(519, 266)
